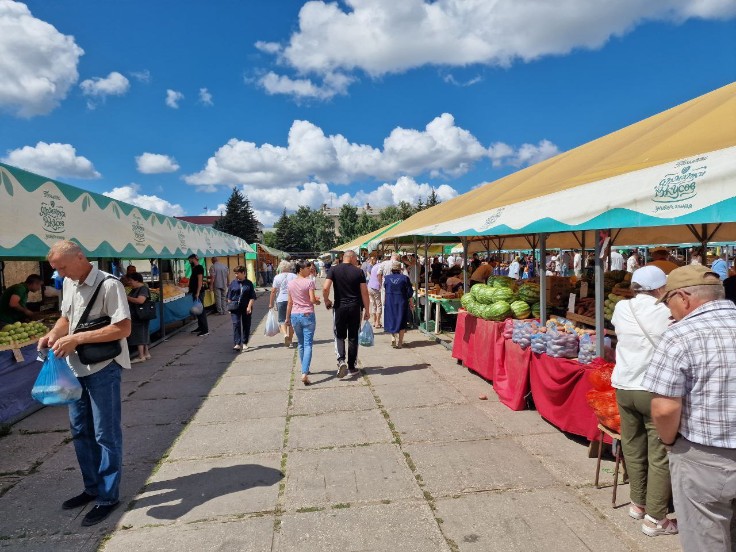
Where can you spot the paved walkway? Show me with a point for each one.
(227, 451)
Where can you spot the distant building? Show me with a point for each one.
(334, 214)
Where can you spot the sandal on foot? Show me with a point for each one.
(305, 380)
(653, 528)
(636, 511)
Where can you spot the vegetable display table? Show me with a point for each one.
(557, 385)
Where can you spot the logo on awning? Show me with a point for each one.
(52, 213)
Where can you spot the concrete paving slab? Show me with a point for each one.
(521, 422)
(241, 437)
(252, 367)
(327, 377)
(252, 383)
(464, 467)
(33, 506)
(567, 458)
(174, 388)
(335, 430)
(402, 374)
(347, 475)
(422, 394)
(159, 411)
(47, 419)
(599, 502)
(234, 408)
(455, 422)
(187, 491)
(404, 527)
(64, 543)
(147, 444)
(545, 519)
(312, 400)
(23, 452)
(247, 535)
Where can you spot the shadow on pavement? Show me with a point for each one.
(194, 490)
(391, 370)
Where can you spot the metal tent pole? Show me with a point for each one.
(464, 239)
(426, 285)
(542, 279)
(599, 295)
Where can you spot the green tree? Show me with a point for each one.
(367, 224)
(389, 214)
(348, 220)
(420, 206)
(432, 199)
(405, 210)
(239, 219)
(269, 239)
(314, 230)
(286, 238)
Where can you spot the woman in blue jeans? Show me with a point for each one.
(300, 314)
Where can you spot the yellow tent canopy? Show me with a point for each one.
(674, 169)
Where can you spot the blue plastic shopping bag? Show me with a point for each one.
(365, 337)
(56, 383)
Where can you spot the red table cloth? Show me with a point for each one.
(558, 387)
(479, 344)
(511, 381)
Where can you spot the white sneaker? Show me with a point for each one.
(246, 347)
(342, 369)
(236, 347)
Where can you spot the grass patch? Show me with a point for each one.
(309, 509)
(385, 501)
(341, 506)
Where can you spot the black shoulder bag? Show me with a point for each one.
(143, 312)
(92, 353)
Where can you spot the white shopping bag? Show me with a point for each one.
(272, 324)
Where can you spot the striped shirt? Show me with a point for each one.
(696, 360)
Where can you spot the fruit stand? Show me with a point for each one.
(19, 367)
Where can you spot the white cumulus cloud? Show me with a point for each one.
(131, 194)
(155, 163)
(38, 64)
(141, 76)
(527, 154)
(173, 98)
(332, 84)
(205, 97)
(379, 37)
(98, 88)
(441, 148)
(51, 160)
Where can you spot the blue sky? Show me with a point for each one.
(169, 104)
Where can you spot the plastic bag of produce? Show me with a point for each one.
(562, 344)
(56, 383)
(586, 354)
(365, 337)
(539, 343)
(508, 328)
(197, 308)
(272, 324)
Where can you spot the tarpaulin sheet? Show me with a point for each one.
(16, 381)
(173, 311)
(558, 387)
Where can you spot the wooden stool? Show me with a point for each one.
(619, 456)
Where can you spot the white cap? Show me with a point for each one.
(649, 278)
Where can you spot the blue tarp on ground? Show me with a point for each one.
(17, 380)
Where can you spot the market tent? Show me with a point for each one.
(367, 241)
(659, 175)
(37, 211)
(272, 251)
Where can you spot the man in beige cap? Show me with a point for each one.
(660, 259)
(694, 406)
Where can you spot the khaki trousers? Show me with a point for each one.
(646, 457)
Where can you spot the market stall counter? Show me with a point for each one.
(557, 385)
